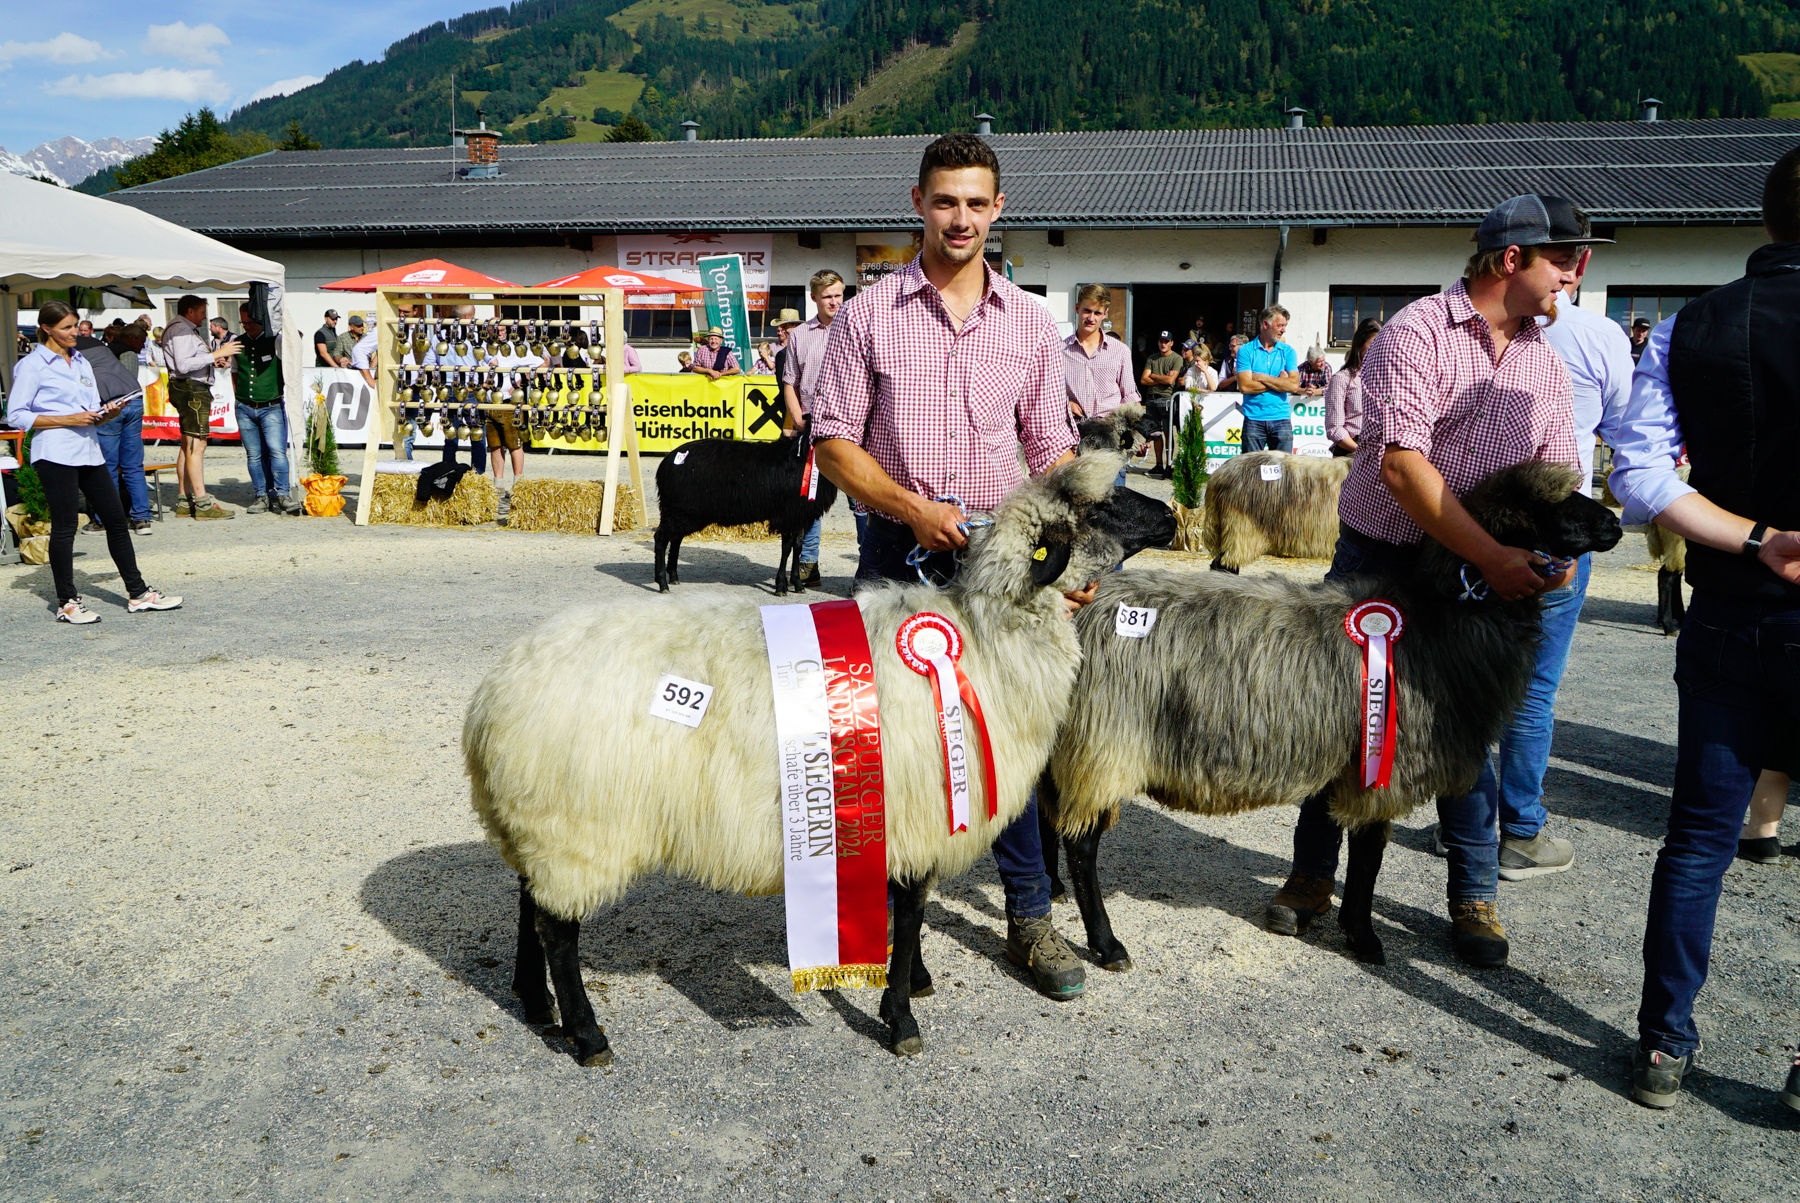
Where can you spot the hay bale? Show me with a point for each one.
(568, 507)
(475, 501)
(754, 532)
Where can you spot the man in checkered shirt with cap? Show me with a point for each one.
(1455, 387)
(933, 381)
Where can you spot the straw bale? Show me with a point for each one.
(754, 532)
(475, 501)
(569, 507)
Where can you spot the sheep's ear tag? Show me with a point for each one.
(1040, 553)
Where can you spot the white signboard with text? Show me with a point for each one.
(677, 257)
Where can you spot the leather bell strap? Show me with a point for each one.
(1375, 625)
(931, 646)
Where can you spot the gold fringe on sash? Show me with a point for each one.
(837, 977)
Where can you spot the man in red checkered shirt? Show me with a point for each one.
(1455, 387)
(934, 381)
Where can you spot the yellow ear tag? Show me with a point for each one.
(1040, 553)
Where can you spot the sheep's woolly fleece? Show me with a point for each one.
(1294, 515)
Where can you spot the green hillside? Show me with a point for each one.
(548, 70)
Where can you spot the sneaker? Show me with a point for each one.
(74, 611)
(141, 526)
(1521, 860)
(184, 506)
(208, 507)
(1790, 1094)
(1297, 904)
(150, 599)
(94, 526)
(1656, 1077)
(259, 506)
(1035, 945)
(1765, 850)
(289, 506)
(1476, 935)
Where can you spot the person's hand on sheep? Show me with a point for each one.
(1074, 599)
(1513, 574)
(937, 525)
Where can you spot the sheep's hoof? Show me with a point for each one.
(925, 991)
(909, 1046)
(1057, 893)
(596, 1060)
(1117, 964)
(1367, 948)
(539, 1017)
(662, 586)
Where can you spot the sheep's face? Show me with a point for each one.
(1535, 506)
(1117, 431)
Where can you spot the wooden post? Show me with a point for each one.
(381, 422)
(621, 422)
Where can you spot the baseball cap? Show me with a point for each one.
(356, 319)
(1164, 336)
(1642, 323)
(331, 313)
(1188, 345)
(1533, 220)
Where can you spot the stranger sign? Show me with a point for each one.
(723, 279)
(678, 256)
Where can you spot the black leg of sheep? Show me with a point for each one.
(903, 965)
(1355, 917)
(529, 982)
(1084, 857)
(1670, 609)
(561, 940)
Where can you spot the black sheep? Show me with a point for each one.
(730, 483)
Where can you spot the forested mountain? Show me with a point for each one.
(550, 69)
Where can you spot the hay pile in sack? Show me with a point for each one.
(569, 507)
(475, 501)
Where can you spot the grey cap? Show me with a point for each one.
(1533, 220)
(356, 319)
(331, 313)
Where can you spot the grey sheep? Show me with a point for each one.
(1248, 515)
(1246, 693)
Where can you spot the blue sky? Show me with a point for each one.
(94, 75)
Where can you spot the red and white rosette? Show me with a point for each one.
(930, 645)
(1375, 625)
(809, 476)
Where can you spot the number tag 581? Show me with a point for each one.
(680, 700)
(1134, 622)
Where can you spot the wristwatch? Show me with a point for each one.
(1753, 544)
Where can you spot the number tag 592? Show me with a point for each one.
(680, 700)
(1134, 622)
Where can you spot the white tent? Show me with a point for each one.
(56, 238)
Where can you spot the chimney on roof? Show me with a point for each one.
(1647, 109)
(484, 150)
(1296, 117)
(690, 130)
(984, 124)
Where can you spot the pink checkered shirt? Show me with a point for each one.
(805, 356)
(1430, 384)
(946, 412)
(1100, 382)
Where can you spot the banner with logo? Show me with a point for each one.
(678, 256)
(1222, 414)
(160, 419)
(723, 278)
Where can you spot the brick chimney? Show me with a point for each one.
(484, 150)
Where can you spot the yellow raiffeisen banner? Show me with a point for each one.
(672, 410)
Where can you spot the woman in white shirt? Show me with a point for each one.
(55, 398)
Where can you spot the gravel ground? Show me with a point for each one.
(264, 951)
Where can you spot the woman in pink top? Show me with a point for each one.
(1343, 393)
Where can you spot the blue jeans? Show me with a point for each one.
(1019, 852)
(122, 443)
(1525, 747)
(809, 542)
(477, 452)
(1737, 675)
(1268, 436)
(264, 433)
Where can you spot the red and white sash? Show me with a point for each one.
(931, 646)
(1376, 624)
(834, 836)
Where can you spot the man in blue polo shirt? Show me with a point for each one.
(1267, 371)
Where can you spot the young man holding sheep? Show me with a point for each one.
(932, 381)
(1456, 386)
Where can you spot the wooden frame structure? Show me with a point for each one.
(621, 420)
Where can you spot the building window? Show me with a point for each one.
(1626, 305)
(648, 326)
(781, 296)
(1351, 304)
(541, 313)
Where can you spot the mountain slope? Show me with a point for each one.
(68, 160)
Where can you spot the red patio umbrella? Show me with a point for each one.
(421, 275)
(621, 278)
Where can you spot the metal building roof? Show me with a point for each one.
(1623, 173)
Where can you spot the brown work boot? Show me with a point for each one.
(1476, 934)
(1035, 945)
(1301, 900)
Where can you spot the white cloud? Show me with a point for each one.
(66, 48)
(156, 83)
(198, 44)
(282, 87)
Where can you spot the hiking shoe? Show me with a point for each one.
(94, 526)
(1656, 1077)
(1476, 934)
(1034, 944)
(259, 506)
(150, 599)
(290, 506)
(1763, 851)
(208, 507)
(140, 526)
(1521, 860)
(1298, 902)
(809, 576)
(1790, 1094)
(75, 612)
(184, 506)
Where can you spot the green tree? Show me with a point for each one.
(631, 130)
(197, 143)
(295, 138)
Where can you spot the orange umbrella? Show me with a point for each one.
(621, 278)
(422, 275)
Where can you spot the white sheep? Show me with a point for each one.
(1272, 502)
(583, 793)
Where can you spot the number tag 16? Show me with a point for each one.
(1133, 622)
(680, 700)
